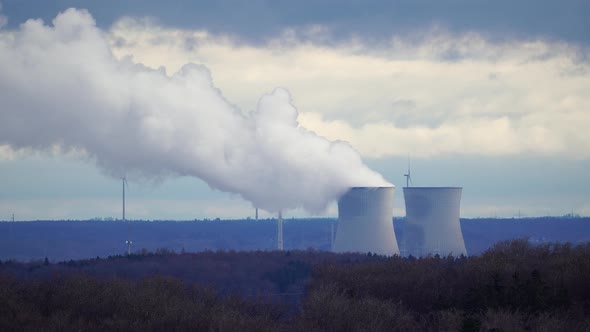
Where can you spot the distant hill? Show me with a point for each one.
(65, 240)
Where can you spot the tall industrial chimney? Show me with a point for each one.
(432, 222)
(280, 231)
(365, 221)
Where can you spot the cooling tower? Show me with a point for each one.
(432, 222)
(365, 221)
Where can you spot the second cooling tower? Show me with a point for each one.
(365, 221)
(432, 222)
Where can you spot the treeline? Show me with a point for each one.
(248, 274)
(515, 286)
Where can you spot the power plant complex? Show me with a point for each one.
(365, 222)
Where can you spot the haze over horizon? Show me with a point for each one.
(492, 99)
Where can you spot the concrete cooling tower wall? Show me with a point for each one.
(365, 221)
(432, 222)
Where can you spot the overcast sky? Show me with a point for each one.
(488, 95)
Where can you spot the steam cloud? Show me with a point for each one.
(3, 18)
(60, 85)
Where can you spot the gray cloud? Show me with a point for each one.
(535, 104)
(61, 86)
(3, 19)
(376, 21)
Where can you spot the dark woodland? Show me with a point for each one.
(514, 286)
(528, 284)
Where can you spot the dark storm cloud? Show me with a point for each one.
(258, 20)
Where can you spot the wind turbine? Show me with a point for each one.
(408, 175)
(128, 241)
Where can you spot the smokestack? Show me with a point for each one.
(123, 205)
(432, 221)
(331, 236)
(128, 241)
(365, 221)
(280, 232)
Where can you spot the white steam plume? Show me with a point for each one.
(61, 85)
(3, 18)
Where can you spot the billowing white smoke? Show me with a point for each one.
(3, 18)
(61, 85)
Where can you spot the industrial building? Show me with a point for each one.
(432, 222)
(365, 221)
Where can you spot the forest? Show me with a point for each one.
(513, 286)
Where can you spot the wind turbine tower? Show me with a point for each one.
(408, 175)
(128, 241)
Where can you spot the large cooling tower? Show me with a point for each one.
(432, 222)
(365, 221)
